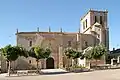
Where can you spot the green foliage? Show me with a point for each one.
(47, 53)
(88, 54)
(96, 52)
(32, 53)
(39, 53)
(22, 51)
(71, 53)
(77, 55)
(11, 53)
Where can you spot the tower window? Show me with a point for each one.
(96, 19)
(69, 43)
(86, 22)
(30, 43)
(100, 19)
(86, 43)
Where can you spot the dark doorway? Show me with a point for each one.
(50, 63)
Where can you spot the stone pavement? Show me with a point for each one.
(95, 75)
(53, 70)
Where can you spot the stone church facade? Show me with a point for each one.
(94, 30)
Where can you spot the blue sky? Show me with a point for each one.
(27, 15)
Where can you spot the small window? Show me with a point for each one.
(30, 43)
(86, 22)
(98, 36)
(69, 43)
(100, 19)
(96, 19)
(86, 43)
(29, 61)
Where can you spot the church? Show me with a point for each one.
(94, 30)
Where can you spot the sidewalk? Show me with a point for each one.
(43, 71)
(3, 74)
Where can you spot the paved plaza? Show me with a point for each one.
(94, 75)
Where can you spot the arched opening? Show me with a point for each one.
(50, 63)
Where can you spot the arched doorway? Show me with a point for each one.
(50, 63)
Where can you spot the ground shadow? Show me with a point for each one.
(54, 73)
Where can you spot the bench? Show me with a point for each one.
(103, 66)
(32, 71)
(22, 72)
(26, 72)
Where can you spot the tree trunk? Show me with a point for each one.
(37, 66)
(68, 63)
(96, 62)
(9, 68)
(90, 64)
(74, 63)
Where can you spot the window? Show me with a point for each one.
(86, 43)
(69, 43)
(96, 19)
(98, 36)
(29, 61)
(100, 19)
(86, 23)
(30, 43)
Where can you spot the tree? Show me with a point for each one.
(22, 51)
(11, 53)
(77, 55)
(72, 54)
(39, 53)
(96, 52)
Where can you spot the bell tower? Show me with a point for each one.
(95, 23)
